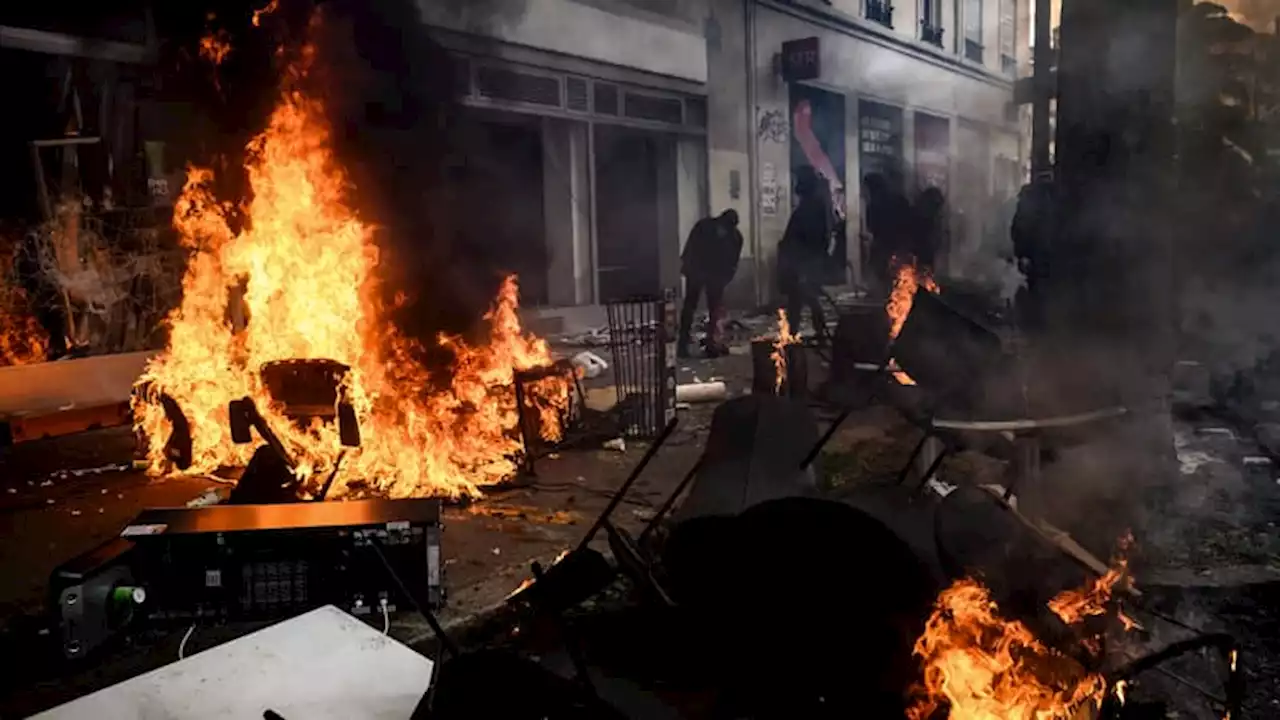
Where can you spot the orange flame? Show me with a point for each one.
(215, 48)
(779, 355)
(266, 10)
(1074, 606)
(22, 340)
(906, 283)
(300, 281)
(987, 668)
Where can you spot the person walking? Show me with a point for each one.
(708, 263)
(805, 250)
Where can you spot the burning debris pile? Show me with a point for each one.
(906, 283)
(980, 665)
(299, 279)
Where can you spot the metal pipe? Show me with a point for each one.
(752, 149)
(1042, 84)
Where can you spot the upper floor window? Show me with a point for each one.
(880, 11)
(1008, 37)
(973, 49)
(931, 21)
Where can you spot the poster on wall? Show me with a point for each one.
(817, 141)
(880, 141)
(933, 152)
(768, 190)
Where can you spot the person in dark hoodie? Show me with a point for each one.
(888, 224)
(929, 236)
(708, 263)
(805, 249)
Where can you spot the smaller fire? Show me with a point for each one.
(1074, 606)
(524, 584)
(215, 48)
(779, 355)
(908, 280)
(984, 667)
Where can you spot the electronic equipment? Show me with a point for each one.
(244, 562)
(94, 597)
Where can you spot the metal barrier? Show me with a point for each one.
(642, 336)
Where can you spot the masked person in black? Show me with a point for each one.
(709, 262)
(805, 249)
(930, 228)
(888, 224)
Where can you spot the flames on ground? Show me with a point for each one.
(779, 354)
(908, 279)
(303, 272)
(981, 666)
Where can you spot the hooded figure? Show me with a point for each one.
(805, 249)
(708, 263)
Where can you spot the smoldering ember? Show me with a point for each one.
(761, 358)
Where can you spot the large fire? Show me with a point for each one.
(983, 667)
(907, 281)
(300, 281)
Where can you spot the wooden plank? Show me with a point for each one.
(68, 422)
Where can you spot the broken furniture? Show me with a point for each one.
(969, 391)
(305, 390)
(979, 534)
(530, 409)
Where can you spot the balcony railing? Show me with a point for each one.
(973, 50)
(931, 34)
(880, 11)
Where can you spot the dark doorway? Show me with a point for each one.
(503, 190)
(628, 227)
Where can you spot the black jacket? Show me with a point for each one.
(711, 253)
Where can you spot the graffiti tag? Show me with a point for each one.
(772, 126)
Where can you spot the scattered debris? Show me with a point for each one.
(616, 444)
(205, 499)
(75, 513)
(591, 364)
(497, 551)
(11, 491)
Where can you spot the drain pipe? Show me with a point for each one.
(752, 150)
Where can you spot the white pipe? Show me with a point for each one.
(701, 392)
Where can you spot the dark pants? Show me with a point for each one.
(804, 294)
(694, 288)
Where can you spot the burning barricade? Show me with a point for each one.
(299, 281)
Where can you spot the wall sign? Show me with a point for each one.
(768, 189)
(801, 60)
(880, 141)
(933, 152)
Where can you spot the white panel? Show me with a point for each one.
(69, 384)
(572, 28)
(322, 665)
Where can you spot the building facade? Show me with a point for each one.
(920, 91)
(599, 108)
(634, 118)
